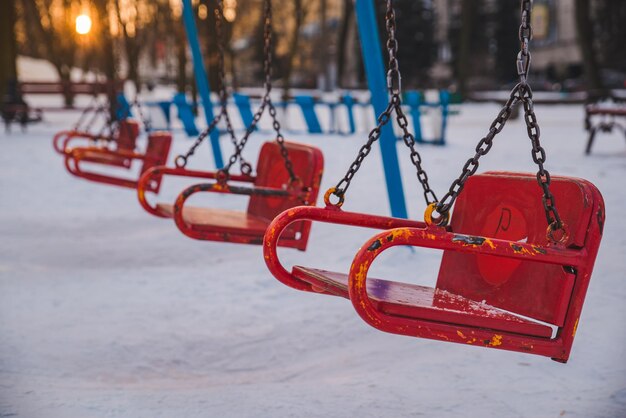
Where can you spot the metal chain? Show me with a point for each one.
(266, 102)
(181, 160)
(94, 107)
(521, 93)
(394, 86)
(539, 157)
(483, 147)
(244, 166)
(100, 109)
(267, 66)
(525, 34)
(109, 125)
(343, 185)
(146, 122)
(416, 158)
(526, 95)
(280, 139)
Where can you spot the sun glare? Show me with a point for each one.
(83, 24)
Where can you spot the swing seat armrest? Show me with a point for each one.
(80, 154)
(62, 139)
(439, 238)
(149, 181)
(72, 165)
(328, 214)
(183, 225)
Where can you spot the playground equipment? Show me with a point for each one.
(118, 150)
(83, 128)
(505, 281)
(309, 105)
(604, 117)
(273, 189)
(180, 169)
(114, 135)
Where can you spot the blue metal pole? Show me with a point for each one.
(377, 82)
(202, 80)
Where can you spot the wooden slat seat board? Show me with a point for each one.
(96, 157)
(414, 301)
(201, 218)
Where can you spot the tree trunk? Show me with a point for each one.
(323, 70)
(8, 50)
(64, 76)
(465, 34)
(293, 47)
(108, 55)
(584, 28)
(342, 43)
(62, 58)
(132, 44)
(181, 55)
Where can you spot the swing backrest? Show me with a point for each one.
(308, 164)
(158, 149)
(509, 206)
(128, 131)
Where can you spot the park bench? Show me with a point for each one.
(604, 117)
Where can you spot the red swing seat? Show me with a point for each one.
(269, 195)
(512, 290)
(124, 140)
(156, 154)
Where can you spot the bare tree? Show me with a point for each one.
(347, 17)
(292, 51)
(134, 35)
(56, 36)
(8, 53)
(584, 27)
(181, 55)
(465, 44)
(107, 54)
(324, 67)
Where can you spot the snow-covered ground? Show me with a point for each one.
(106, 311)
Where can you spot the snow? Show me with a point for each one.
(35, 69)
(106, 311)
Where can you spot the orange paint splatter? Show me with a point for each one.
(496, 340)
(490, 243)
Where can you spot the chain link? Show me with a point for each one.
(539, 157)
(94, 108)
(394, 105)
(266, 102)
(181, 160)
(146, 122)
(483, 147)
(525, 34)
(245, 167)
(521, 93)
